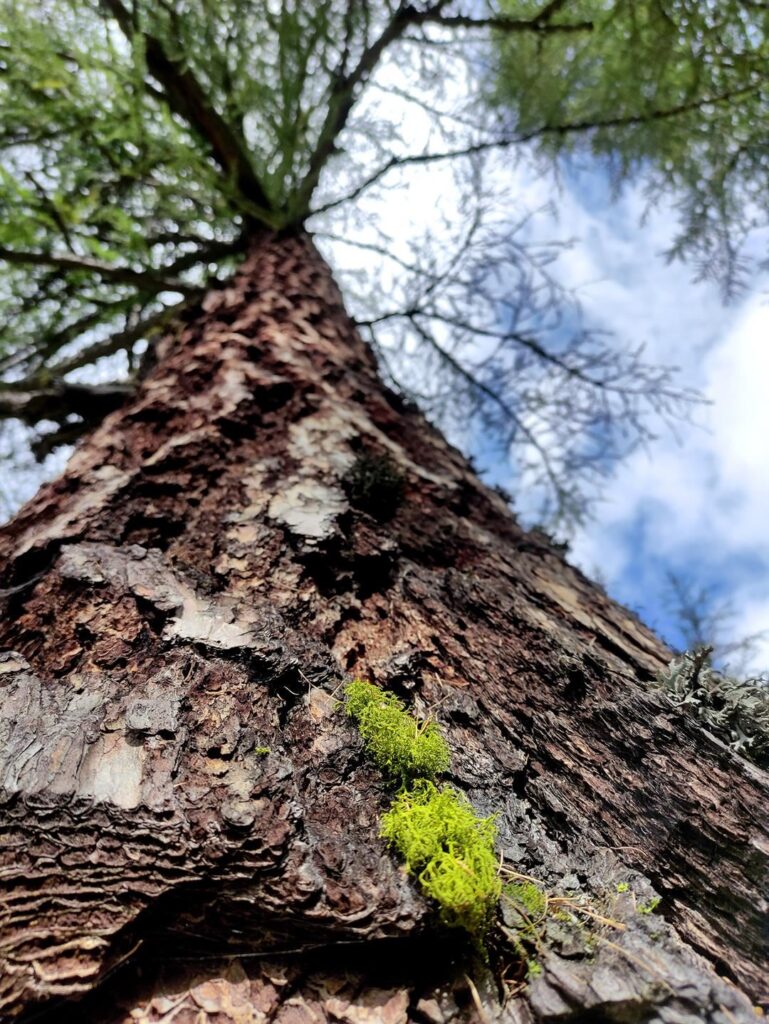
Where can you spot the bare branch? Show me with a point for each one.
(63, 400)
(502, 24)
(507, 141)
(344, 94)
(516, 423)
(120, 340)
(149, 280)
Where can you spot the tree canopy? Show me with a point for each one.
(143, 145)
(674, 90)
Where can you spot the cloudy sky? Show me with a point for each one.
(696, 501)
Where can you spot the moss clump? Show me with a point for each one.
(450, 850)
(526, 912)
(527, 899)
(435, 830)
(401, 746)
(376, 485)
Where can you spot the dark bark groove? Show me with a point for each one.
(195, 588)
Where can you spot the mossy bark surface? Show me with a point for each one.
(195, 588)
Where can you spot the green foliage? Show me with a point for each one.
(671, 89)
(95, 165)
(402, 747)
(145, 144)
(261, 751)
(737, 710)
(450, 850)
(152, 136)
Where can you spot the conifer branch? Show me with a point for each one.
(63, 399)
(150, 280)
(119, 340)
(502, 24)
(187, 98)
(344, 92)
(507, 141)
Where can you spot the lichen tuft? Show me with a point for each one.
(736, 710)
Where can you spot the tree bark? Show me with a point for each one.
(189, 824)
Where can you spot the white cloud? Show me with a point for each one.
(700, 504)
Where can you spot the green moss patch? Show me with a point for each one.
(529, 901)
(400, 745)
(444, 843)
(450, 850)
(376, 485)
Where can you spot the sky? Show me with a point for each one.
(694, 501)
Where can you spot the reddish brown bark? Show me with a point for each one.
(198, 584)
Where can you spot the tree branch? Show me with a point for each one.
(187, 98)
(120, 340)
(516, 422)
(504, 142)
(343, 95)
(62, 400)
(147, 279)
(502, 24)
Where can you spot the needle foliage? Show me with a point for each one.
(674, 91)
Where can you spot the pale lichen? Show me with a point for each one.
(736, 710)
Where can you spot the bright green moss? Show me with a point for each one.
(528, 899)
(401, 746)
(650, 906)
(444, 843)
(450, 850)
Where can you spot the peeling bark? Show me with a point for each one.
(195, 588)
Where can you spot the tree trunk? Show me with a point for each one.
(190, 826)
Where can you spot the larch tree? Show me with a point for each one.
(201, 819)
